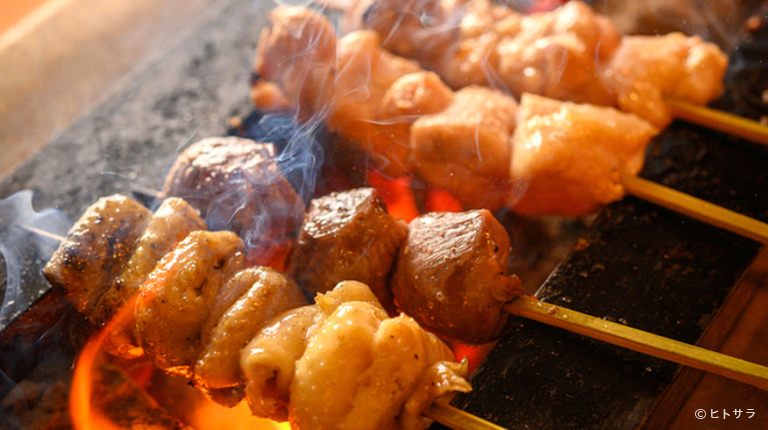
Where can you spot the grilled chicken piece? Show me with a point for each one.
(568, 159)
(365, 72)
(417, 29)
(170, 223)
(466, 147)
(343, 364)
(647, 69)
(269, 360)
(475, 42)
(557, 54)
(450, 275)
(237, 185)
(96, 249)
(175, 300)
(297, 52)
(347, 236)
(267, 293)
(346, 87)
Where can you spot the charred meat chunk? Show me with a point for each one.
(347, 236)
(96, 249)
(237, 185)
(450, 275)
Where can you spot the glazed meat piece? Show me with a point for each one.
(349, 97)
(269, 361)
(371, 366)
(170, 223)
(646, 69)
(347, 236)
(297, 52)
(467, 147)
(269, 293)
(343, 364)
(568, 159)
(237, 185)
(96, 249)
(175, 300)
(450, 275)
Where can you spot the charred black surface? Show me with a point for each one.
(639, 265)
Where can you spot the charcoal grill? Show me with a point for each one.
(637, 264)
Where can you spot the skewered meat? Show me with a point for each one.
(96, 249)
(470, 143)
(555, 54)
(347, 236)
(450, 275)
(647, 69)
(197, 310)
(364, 74)
(568, 159)
(170, 223)
(267, 293)
(297, 52)
(269, 360)
(237, 185)
(346, 88)
(176, 298)
(570, 53)
(467, 146)
(375, 368)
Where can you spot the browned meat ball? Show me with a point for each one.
(450, 275)
(96, 249)
(348, 236)
(237, 185)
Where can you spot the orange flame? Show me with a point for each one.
(207, 415)
(210, 415)
(84, 416)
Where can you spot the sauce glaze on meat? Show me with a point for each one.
(450, 275)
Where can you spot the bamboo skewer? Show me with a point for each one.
(456, 418)
(718, 120)
(696, 208)
(640, 341)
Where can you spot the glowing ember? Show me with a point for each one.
(442, 201)
(397, 195)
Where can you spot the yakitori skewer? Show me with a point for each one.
(617, 334)
(718, 120)
(638, 340)
(696, 208)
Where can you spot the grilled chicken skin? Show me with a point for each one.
(96, 249)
